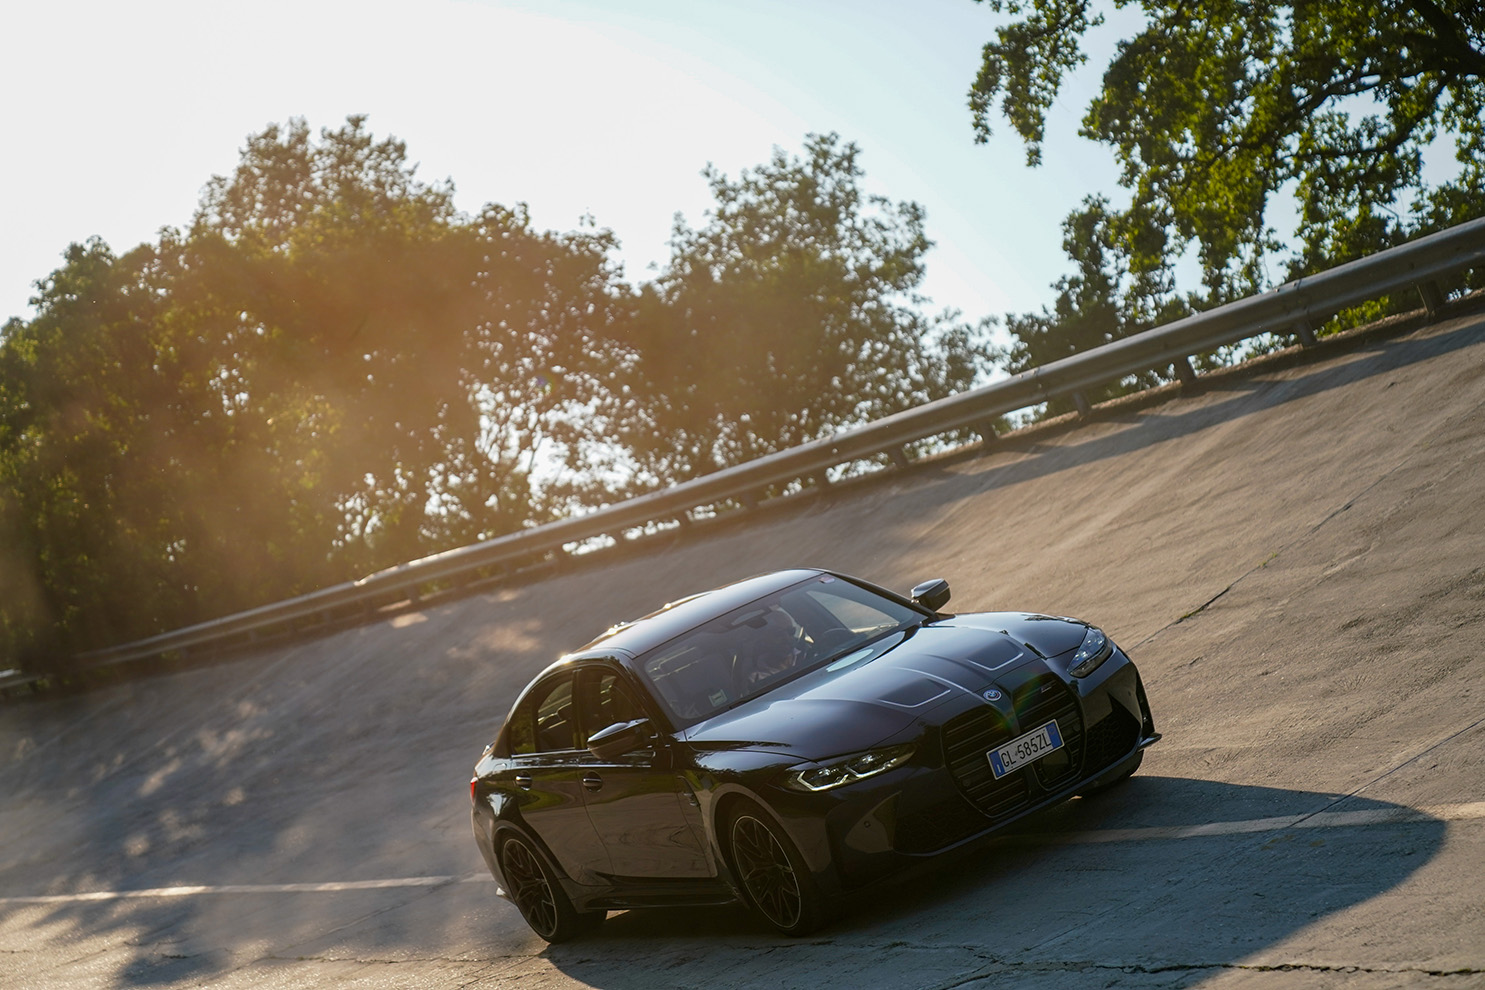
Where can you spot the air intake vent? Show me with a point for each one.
(1111, 738)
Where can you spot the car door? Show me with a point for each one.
(547, 757)
(644, 813)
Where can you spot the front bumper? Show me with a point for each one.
(947, 796)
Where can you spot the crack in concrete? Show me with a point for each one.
(1392, 770)
(1421, 446)
(401, 960)
(479, 976)
(991, 965)
(1000, 966)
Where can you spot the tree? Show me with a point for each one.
(337, 289)
(791, 313)
(542, 370)
(95, 414)
(425, 356)
(1216, 109)
(332, 371)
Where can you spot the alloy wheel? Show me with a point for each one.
(530, 888)
(765, 871)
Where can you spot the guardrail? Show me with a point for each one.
(1296, 307)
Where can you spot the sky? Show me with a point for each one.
(115, 116)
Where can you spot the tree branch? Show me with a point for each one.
(1449, 40)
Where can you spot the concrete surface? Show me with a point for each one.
(1296, 560)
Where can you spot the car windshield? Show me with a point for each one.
(752, 649)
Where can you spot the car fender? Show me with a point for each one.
(501, 814)
(805, 830)
(504, 827)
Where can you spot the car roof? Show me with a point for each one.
(670, 621)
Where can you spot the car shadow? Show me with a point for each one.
(1099, 884)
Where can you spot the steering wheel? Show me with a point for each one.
(827, 641)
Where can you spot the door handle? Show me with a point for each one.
(523, 781)
(592, 781)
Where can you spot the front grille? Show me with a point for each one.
(1038, 703)
(1111, 738)
(967, 738)
(970, 736)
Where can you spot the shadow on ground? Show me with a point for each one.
(1028, 903)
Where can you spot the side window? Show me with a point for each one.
(605, 700)
(521, 731)
(548, 720)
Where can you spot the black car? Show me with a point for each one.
(787, 739)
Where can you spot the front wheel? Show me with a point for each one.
(773, 875)
(541, 899)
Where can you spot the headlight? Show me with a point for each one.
(848, 769)
(1095, 650)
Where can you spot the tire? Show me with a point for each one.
(1124, 775)
(773, 875)
(539, 896)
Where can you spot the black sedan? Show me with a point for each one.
(787, 739)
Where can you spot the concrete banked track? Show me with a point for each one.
(1295, 557)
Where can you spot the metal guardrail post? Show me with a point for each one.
(1433, 299)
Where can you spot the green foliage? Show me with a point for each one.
(333, 370)
(1089, 310)
(420, 357)
(53, 385)
(1217, 110)
(788, 315)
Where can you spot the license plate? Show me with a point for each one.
(1025, 749)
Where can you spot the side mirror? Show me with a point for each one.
(932, 594)
(619, 738)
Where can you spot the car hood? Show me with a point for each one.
(844, 707)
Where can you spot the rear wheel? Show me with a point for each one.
(773, 875)
(540, 898)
